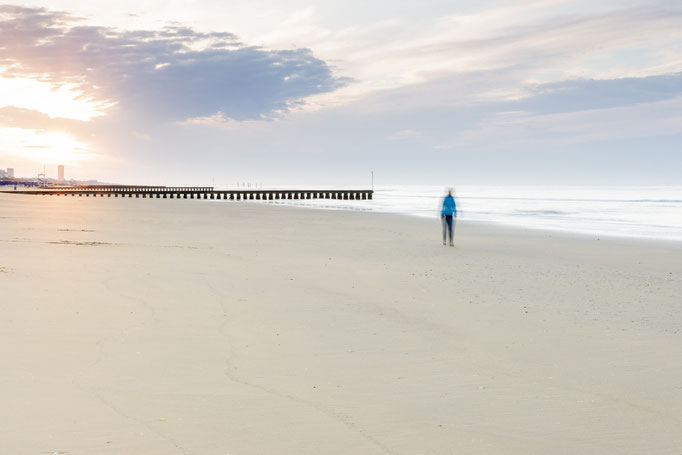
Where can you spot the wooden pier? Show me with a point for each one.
(180, 192)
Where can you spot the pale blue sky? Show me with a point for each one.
(491, 92)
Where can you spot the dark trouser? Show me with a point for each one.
(448, 225)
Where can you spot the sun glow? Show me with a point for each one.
(43, 147)
(64, 101)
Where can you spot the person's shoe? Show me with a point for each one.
(443, 243)
(451, 244)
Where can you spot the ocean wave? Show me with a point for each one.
(657, 213)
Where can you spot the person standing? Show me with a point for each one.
(448, 214)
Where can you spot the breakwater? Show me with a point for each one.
(175, 192)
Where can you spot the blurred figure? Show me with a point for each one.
(448, 214)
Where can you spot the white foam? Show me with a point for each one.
(651, 212)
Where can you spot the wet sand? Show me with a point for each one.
(138, 326)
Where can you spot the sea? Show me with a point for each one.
(624, 211)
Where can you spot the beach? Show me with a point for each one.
(157, 326)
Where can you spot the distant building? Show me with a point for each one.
(60, 172)
(10, 172)
(3, 174)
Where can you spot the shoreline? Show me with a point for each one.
(500, 224)
(608, 231)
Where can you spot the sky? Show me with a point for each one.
(207, 92)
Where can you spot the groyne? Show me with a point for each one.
(183, 192)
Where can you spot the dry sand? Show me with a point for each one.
(138, 326)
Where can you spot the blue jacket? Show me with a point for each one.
(449, 206)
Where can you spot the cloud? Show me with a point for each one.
(589, 94)
(509, 129)
(15, 117)
(171, 74)
(574, 110)
(522, 41)
(221, 121)
(404, 135)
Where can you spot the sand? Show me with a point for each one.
(138, 326)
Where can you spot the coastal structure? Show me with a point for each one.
(7, 173)
(166, 192)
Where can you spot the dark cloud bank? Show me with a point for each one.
(172, 74)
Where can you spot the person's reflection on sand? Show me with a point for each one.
(448, 214)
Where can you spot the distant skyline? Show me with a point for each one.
(436, 92)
